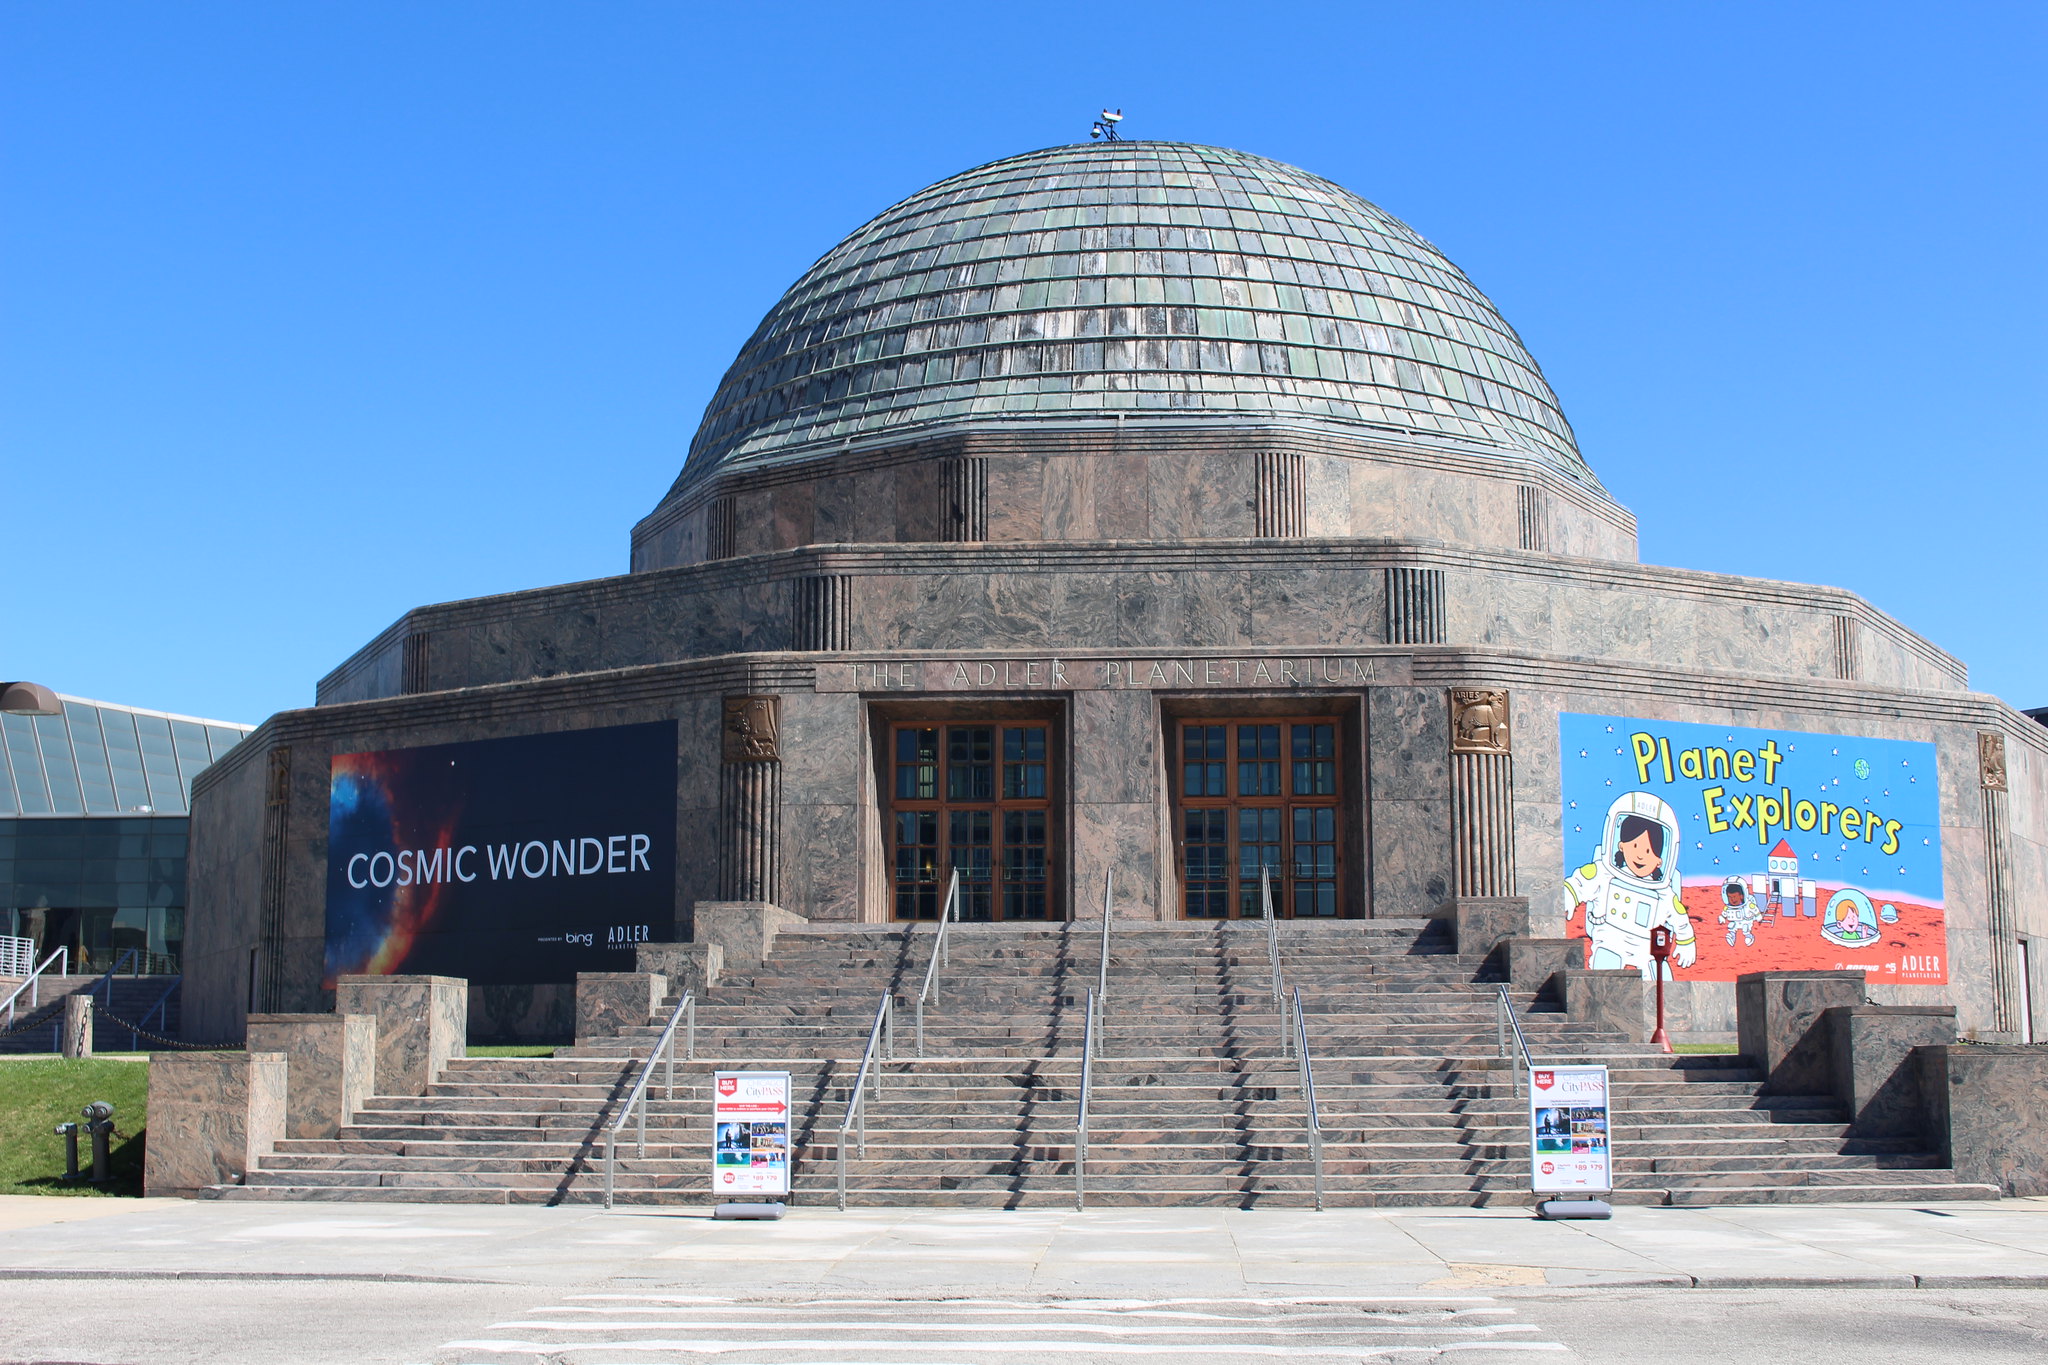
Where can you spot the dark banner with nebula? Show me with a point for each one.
(503, 860)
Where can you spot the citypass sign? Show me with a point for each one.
(750, 1132)
(1760, 850)
(503, 861)
(1570, 1151)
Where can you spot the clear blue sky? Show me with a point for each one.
(311, 313)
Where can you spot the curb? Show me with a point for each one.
(58, 1273)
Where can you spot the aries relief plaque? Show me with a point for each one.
(753, 730)
(1479, 720)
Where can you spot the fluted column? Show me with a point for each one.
(750, 801)
(266, 988)
(1482, 794)
(1415, 606)
(2005, 985)
(820, 612)
(1281, 508)
(963, 487)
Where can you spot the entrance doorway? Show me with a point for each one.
(1259, 797)
(973, 797)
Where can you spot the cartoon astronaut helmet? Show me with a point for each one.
(1639, 845)
(1734, 893)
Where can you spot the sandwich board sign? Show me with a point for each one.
(750, 1133)
(1569, 1147)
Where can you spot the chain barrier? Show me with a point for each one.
(37, 1020)
(158, 1038)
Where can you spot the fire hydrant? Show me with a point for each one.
(99, 1123)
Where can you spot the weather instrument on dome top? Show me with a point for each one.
(1105, 127)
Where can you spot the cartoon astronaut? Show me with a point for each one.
(1633, 886)
(1740, 911)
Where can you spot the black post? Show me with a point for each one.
(70, 1134)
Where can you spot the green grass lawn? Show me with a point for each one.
(514, 1050)
(36, 1096)
(1717, 1048)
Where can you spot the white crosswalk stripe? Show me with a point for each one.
(646, 1329)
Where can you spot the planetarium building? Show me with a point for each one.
(1147, 513)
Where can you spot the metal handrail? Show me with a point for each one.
(637, 1100)
(1273, 958)
(33, 985)
(882, 1035)
(1504, 1019)
(161, 1009)
(132, 957)
(1306, 1073)
(947, 916)
(1081, 1120)
(1102, 960)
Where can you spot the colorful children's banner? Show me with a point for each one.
(1761, 850)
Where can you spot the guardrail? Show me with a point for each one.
(947, 916)
(1305, 1072)
(1503, 1020)
(1102, 961)
(636, 1102)
(1081, 1119)
(161, 1009)
(883, 1037)
(33, 986)
(1273, 960)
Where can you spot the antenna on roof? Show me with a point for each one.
(1105, 127)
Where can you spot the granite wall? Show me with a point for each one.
(1304, 593)
(212, 1117)
(1130, 482)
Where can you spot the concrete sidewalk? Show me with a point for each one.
(925, 1252)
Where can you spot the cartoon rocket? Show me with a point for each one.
(1781, 889)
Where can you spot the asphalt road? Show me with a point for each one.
(264, 1321)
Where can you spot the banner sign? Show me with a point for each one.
(502, 860)
(1569, 1148)
(750, 1132)
(1761, 850)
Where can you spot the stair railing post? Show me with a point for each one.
(611, 1151)
(690, 1015)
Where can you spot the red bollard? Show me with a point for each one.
(1660, 951)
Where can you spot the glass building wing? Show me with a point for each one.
(105, 760)
(101, 759)
(92, 830)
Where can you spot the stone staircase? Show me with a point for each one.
(1194, 1102)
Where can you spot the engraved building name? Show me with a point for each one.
(1062, 674)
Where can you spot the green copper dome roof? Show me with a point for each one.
(1154, 280)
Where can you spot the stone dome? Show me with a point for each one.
(1151, 281)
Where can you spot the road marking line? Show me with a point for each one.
(1181, 1349)
(1114, 1329)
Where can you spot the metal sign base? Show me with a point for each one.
(1574, 1208)
(769, 1211)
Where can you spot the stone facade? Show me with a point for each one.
(1439, 599)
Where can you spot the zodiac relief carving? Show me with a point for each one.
(1479, 720)
(1991, 759)
(753, 729)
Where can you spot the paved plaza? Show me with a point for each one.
(111, 1282)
